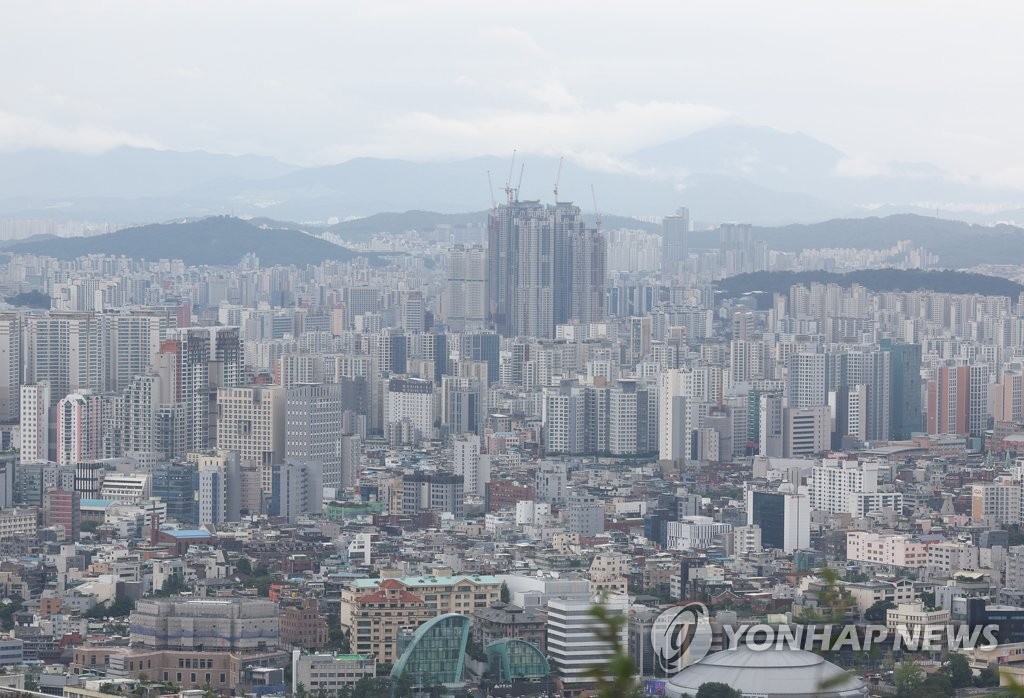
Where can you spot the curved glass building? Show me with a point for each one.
(436, 654)
(516, 660)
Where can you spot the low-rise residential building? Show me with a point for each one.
(375, 611)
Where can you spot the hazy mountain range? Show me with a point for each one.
(732, 172)
(224, 240)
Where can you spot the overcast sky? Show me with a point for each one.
(319, 82)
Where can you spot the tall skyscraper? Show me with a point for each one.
(675, 241)
(543, 268)
(465, 300)
(905, 393)
(588, 252)
(313, 416)
(191, 363)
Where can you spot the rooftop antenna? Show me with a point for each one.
(490, 185)
(558, 177)
(508, 182)
(522, 168)
(597, 213)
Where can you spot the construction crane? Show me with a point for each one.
(597, 213)
(509, 191)
(558, 177)
(519, 185)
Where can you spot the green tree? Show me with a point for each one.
(506, 596)
(987, 677)
(403, 686)
(934, 685)
(243, 566)
(7, 611)
(958, 669)
(908, 676)
(716, 689)
(876, 614)
(928, 599)
(173, 585)
(121, 607)
(372, 687)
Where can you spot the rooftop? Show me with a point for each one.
(186, 532)
(429, 581)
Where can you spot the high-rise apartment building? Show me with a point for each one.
(135, 337)
(10, 366)
(465, 301)
(471, 464)
(543, 268)
(68, 349)
(34, 412)
(191, 363)
(79, 423)
(140, 418)
(807, 380)
(957, 400)
(675, 241)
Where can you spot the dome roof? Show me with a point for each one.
(782, 672)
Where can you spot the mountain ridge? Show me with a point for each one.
(217, 240)
(724, 173)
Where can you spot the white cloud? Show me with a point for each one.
(598, 134)
(857, 168)
(21, 132)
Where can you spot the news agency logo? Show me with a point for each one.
(681, 636)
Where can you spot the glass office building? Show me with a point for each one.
(436, 654)
(516, 660)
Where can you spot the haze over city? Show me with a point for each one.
(321, 82)
(543, 350)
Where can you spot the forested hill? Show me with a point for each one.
(767, 283)
(216, 240)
